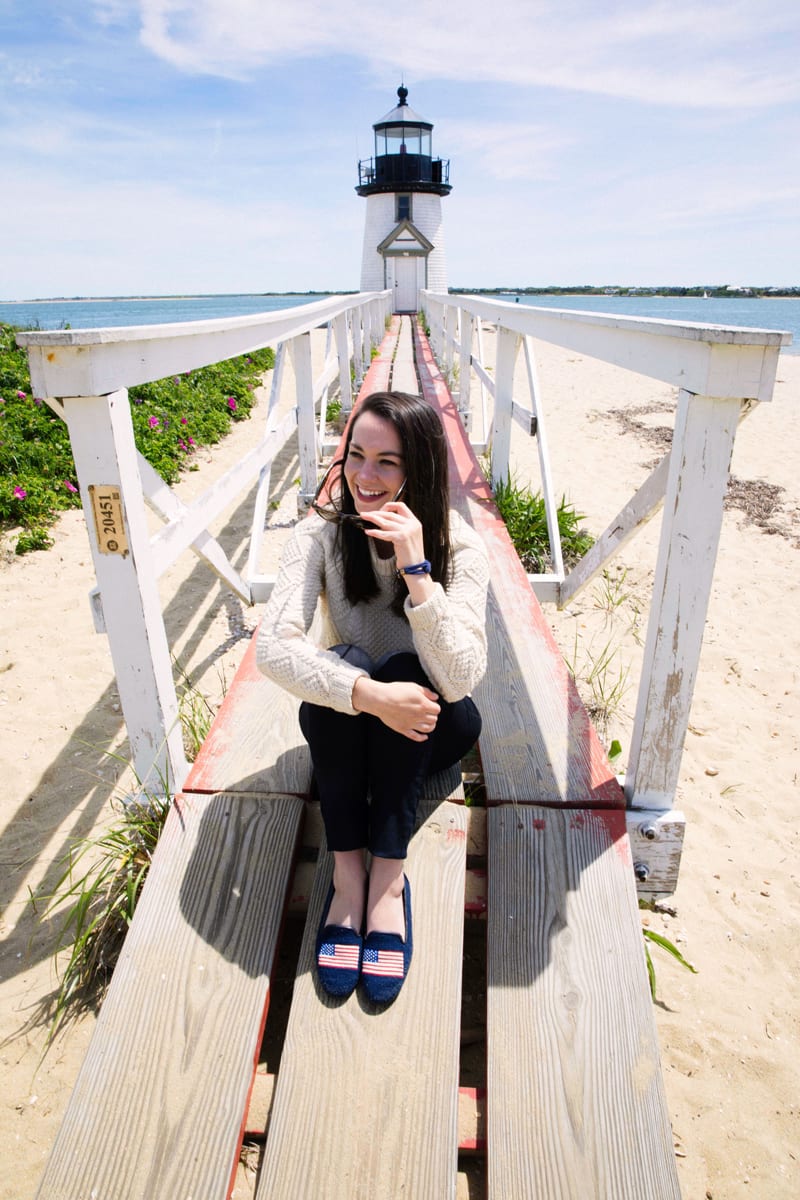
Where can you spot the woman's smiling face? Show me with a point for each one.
(374, 467)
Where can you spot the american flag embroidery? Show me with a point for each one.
(383, 962)
(334, 954)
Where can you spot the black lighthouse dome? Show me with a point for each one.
(403, 159)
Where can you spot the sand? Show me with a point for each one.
(729, 1035)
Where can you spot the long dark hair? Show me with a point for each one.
(426, 492)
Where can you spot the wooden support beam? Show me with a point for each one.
(300, 349)
(699, 464)
(343, 350)
(104, 450)
(507, 348)
(656, 840)
(643, 505)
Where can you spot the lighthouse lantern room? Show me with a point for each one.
(403, 184)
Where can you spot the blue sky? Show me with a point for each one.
(174, 146)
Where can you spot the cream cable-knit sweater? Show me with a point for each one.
(447, 632)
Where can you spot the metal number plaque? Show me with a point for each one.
(108, 520)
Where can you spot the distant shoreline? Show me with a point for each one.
(147, 299)
(643, 293)
(710, 292)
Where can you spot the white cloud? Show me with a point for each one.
(717, 53)
(158, 238)
(19, 72)
(502, 149)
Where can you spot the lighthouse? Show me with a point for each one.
(403, 185)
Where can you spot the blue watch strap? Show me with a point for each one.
(420, 568)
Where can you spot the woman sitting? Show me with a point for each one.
(397, 583)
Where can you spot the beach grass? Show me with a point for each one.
(525, 517)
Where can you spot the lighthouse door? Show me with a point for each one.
(405, 284)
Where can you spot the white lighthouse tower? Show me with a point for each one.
(403, 184)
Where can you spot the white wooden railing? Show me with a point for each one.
(719, 374)
(84, 376)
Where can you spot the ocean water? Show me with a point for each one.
(767, 313)
(771, 313)
(145, 310)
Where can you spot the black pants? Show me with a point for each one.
(370, 778)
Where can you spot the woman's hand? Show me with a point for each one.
(396, 523)
(407, 708)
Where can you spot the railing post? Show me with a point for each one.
(437, 329)
(702, 445)
(507, 346)
(366, 326)
(369, 333)
(300, 349)
(479, 339)
(377, 321)
(444, 349)
(548, 493)
(104, 450)
(343, 353)
(358, 345)
(465, 370)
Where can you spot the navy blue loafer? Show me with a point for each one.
(338, 954)
(386, 958)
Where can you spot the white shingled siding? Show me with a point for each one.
(426, 214)
(380, 220)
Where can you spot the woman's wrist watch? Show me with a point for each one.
(420, 568)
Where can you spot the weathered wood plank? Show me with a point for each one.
(538, 743)
(104, 452)
(159, 1105)
(575, 1099)
(656, 840)
(305, 872)
(255, 743)
(702, 445)
(641, 507)
(366, 1102)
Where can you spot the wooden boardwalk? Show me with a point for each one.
(366, 1103)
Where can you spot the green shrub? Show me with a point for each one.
(525, 517)
(171, 419)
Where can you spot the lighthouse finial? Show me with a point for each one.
(402, 93)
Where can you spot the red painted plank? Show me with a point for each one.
(520, 607)
(380, 369)
(255, 743)
(472, 1120)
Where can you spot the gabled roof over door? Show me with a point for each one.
(405, 238)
